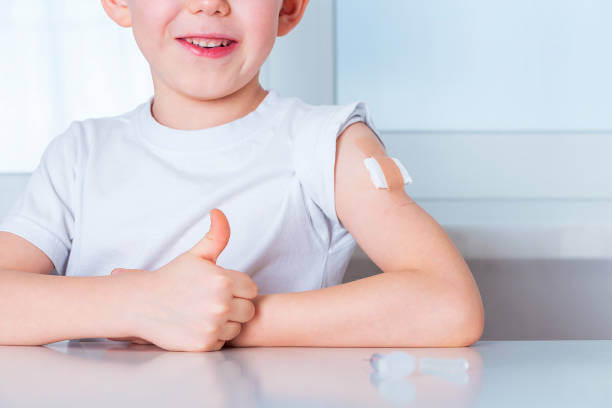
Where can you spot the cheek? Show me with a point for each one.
(149, 20)
(261, 25)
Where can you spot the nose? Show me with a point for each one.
(210, 7)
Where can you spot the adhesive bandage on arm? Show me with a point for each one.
(386, 172)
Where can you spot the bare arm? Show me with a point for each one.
(38, 309)
(189, 304)
(393, 309)
(425, 297)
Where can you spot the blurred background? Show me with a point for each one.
(500, 110)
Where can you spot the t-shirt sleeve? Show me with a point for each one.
(44, 212)
(315, 157)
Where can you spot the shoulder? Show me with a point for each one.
(304, 115)
(321, 126)
(324, 136)
(347, 141)
(81, 136)
(111, 126)
(354, 144)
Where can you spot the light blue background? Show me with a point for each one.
(478, 64)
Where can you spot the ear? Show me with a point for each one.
(290, 15)
(118, 11)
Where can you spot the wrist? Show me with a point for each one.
(130, 292)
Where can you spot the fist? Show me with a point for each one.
(191, 304)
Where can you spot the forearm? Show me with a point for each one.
(393, 309)
(39, 309)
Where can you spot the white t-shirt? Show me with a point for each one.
(128, 192)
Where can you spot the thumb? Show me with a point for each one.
(215, 241)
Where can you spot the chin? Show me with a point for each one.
(210, 92)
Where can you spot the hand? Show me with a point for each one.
(191, 304)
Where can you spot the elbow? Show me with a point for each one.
(465, 322)
(469, 330)
(454, 315)
(464, 311)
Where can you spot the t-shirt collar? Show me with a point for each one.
(204, 139)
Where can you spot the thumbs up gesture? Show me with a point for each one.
(191, 304)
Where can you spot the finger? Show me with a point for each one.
(230, 330)
(215, 240)
(243, 287)
(241, 310)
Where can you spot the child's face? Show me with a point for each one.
(158, 25)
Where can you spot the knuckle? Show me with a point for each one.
(199, 346)
(199, 343)
(212, 328)
(204, 345)
(223, 282)
(221, 309)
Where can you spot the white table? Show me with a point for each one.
(116, 374)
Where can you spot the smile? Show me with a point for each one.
(208, 43)
(209, 47)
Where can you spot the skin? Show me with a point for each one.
(425, 297)
(193, 92)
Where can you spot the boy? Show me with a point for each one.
(134, 191)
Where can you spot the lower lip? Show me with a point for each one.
(217, 52)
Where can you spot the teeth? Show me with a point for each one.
(208, 43)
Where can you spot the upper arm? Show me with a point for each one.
(19, 254)
(394, 231)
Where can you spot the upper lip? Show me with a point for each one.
(216, 36)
